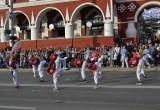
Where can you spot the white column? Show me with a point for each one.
(34, 33)
(68, 30)
(131, 30)
(44, 25)
(108, 28)
(3, 36)
(25, 35)
(158, 32)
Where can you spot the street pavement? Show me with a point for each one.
(118, 91)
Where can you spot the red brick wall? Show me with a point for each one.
(56, 43)
(76, 42)
(3, 45)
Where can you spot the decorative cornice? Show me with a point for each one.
(36, 3)
(123, 1)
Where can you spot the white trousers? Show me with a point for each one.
(83, 73)
(100, 68)
(34, 70)
(55, 77)
(41, 72)
(140, 70)
(14, 77)
(96, 77)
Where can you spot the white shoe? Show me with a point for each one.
(139, 83)
(55, 89)
(100, 76)
(96, 87)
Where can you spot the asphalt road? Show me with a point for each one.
(117, 91)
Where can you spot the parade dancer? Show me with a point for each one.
(41, 69)
(83, 74)
(57, 71)
(94, 67)
(34, 69)
(100, 60)
(84, 66)
(34, 62)
(140, 67)
(14, 71)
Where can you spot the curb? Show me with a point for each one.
(103, 69)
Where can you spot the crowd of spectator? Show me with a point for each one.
(112, 56)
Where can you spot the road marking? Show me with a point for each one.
(87, 86)
(18, 108)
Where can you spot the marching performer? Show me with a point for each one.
(94, 67)
(140, 67)
(78, 62)
(83, 74)
(41, 68)
(34, 60)
(100, 60)
(55, 69)
(14, 71)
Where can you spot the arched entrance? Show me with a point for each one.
(50, 16)
(88, 23)
(148, 24)
(22, 21)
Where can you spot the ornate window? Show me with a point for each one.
(122, 8)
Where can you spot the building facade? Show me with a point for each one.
(58, 23)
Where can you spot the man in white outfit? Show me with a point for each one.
(96, 73)
(94, 67)
(140, 67)
(14, 71)
(58, 70)
(100, 60)
(34, 67)
(84, 66)
(41, 69)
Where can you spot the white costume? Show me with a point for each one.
(15, 75)
(96, 73)
(41, 68)
(140, 67)
(57, 72)
(34, 68)
(83, 74)
(100, 60)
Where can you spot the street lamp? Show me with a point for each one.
(17, 28)
(89, 25)
(51, 26)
